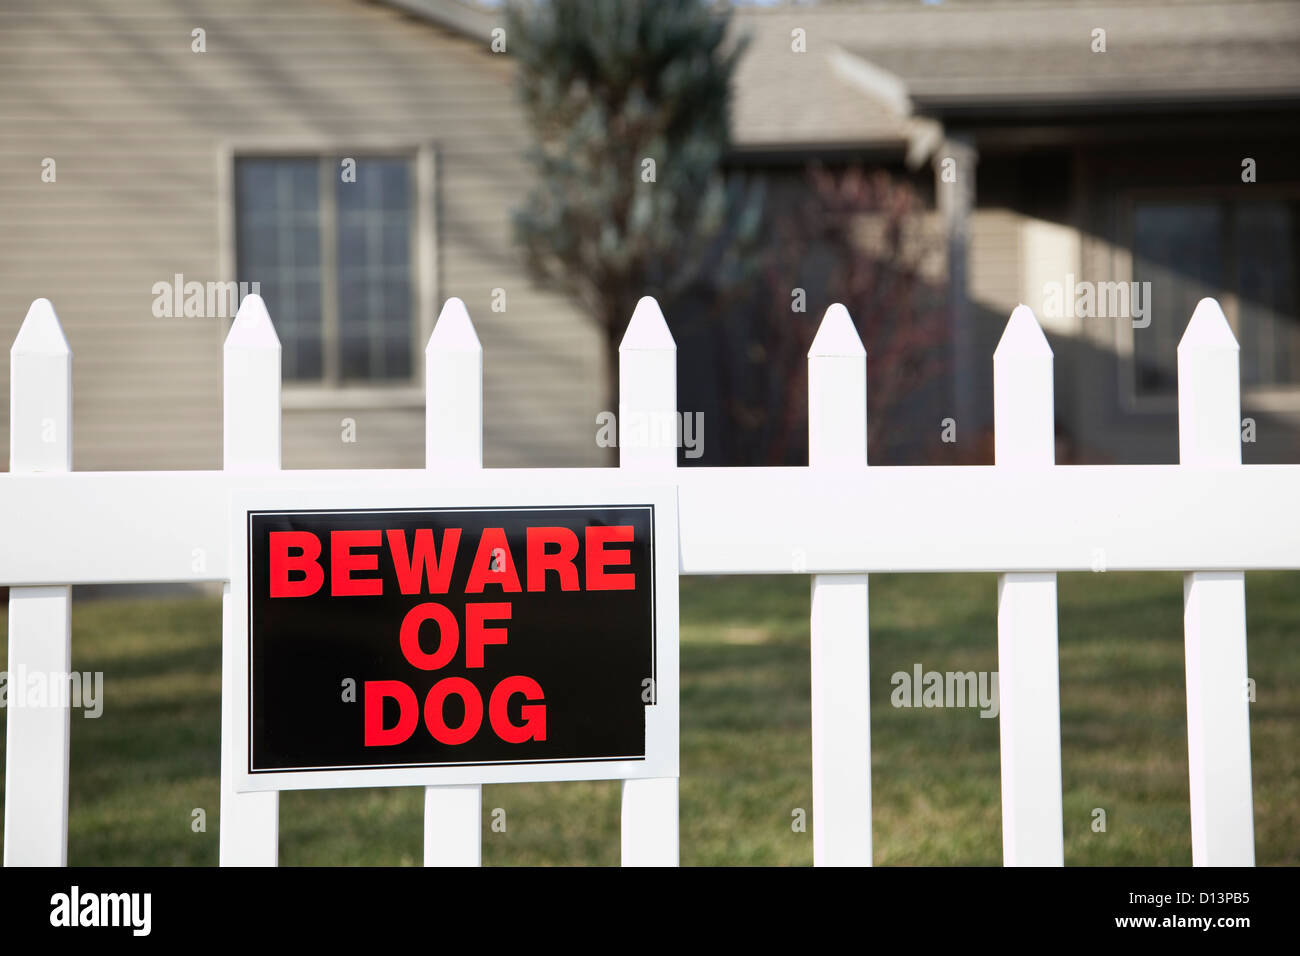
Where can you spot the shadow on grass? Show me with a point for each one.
(141, 771)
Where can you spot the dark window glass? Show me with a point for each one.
(286, 213)
(278, 245)
(1178, 248)
(374, 268)
(1264, 235)
(1245, 254)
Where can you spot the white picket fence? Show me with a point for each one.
(838, 519)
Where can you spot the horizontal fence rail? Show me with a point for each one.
(838, 520)
(890, 518)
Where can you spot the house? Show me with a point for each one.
(1106, 164)
(148, 146)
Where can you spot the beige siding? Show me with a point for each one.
(136, 123)
(995, 260)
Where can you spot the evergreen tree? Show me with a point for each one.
(628, 103)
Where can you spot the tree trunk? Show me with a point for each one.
(613, 335)
(612, 339)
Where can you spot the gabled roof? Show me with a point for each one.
(904, 60)
(875, 74)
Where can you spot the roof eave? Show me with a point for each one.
(472, 22)
(935, 104)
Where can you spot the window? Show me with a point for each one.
(333, 257)
(1245, 254)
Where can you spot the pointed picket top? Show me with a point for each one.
(1023, 406)
(1209, 390)
(647, 331)
(1208, 329)
(40, 395)
(453, 391)
(41, 333)
(252, 328)
(837, 337)
(1023, 336)
(454, 331)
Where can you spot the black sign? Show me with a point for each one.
(445, 637)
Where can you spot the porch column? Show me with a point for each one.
(954, 189)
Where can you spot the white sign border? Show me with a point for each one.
(662, 718)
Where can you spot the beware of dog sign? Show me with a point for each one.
(391, 644)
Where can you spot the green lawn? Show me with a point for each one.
(140, 770)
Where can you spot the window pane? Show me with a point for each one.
(277, 216)
(374, 252)
(1178, 248)
(1265, 241)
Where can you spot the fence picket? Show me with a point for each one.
(1028, 669)
(647, 390)
(839, 626)
(1214, 608)
(250, 822)
(453, 429)
(40, 637)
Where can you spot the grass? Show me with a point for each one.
(140, 771)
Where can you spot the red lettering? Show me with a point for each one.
(598, 558)
(423, 562)
(493, 563)
(539, 561)
(476, 635)
(435, 720)
(343, 562)
(533, 713)
(448, 636)
(375, 692)
(305, 561)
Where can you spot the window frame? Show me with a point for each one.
(330, 392)
(1282, 399)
